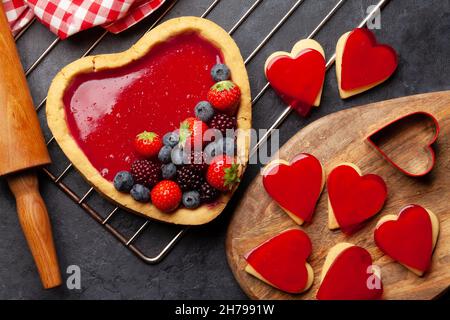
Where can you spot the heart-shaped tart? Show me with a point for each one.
(281, 261)
(298, 76)
(362, 63)
(409, 237)
(295, 186)
(407, 142)
(348, 274)
(97, 105)
(352, 197)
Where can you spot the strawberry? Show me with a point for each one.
(166, 195)
(223, 173)
(148, 144)
(225, 96)
(192, 131)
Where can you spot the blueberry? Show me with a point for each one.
(177, 156)
(211, 150)
(140, 193)
(171, 139)
(191, 199)
(204, 111)
(228, 146)
(220, 72)
(123, 181)
(164, 154)
(222, 146)
(168, 170)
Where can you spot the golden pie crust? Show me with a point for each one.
(56, 114)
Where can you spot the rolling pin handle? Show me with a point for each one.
(36, 226)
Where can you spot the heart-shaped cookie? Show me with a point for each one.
(407, 142)
(281, 261)
(409, 238)
(298, 76)
(295, 186)
(362, 63)
(97, 105)
(348, 274)
(353, 197)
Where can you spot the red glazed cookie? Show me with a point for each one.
(409, 237)
(281, 261)
(353, 198)
(295, 186)
(298, 76)
(348, 274)
(362, 63)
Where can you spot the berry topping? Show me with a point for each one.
(147, 144)
(207, 193)
(204, 111)
(222, 122)
(177, 156)
(220, 72)
(146, 172)
(189, 178)
(171, 139)
(164, 154)
(223, 173)
(225, 96)
(166, 195)
(168, 171)
(191, 132)
(123, 181)
(140, 193)
(191, 199)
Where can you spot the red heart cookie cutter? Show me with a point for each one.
(393, 140)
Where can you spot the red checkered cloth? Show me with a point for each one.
(65, 18)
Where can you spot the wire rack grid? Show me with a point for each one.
(104, 219)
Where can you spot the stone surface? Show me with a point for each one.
(197, 267)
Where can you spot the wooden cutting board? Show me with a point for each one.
(340, 137)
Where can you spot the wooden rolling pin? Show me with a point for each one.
(22, 150)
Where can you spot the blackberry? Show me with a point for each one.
(197, 161)
(189, 178)
(208, 193)
(146, 172)
(222, 122)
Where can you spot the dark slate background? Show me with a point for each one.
(197, 267)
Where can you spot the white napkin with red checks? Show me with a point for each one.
(65, 18)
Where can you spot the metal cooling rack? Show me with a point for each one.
(105, 219)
